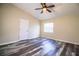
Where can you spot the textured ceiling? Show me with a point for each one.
(60, 9)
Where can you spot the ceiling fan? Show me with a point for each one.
(45, 7)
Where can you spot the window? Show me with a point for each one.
(48, 27)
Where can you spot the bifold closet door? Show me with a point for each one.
(24, 29)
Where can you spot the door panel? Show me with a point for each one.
(24, 27)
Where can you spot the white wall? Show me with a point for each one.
(0, 21)
(10, 24)
(66, 28)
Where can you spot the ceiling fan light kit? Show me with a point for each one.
(45, 8)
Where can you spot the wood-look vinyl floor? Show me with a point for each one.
(36, 47)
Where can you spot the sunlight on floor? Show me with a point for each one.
(48, 46)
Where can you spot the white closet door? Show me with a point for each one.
(24, 27)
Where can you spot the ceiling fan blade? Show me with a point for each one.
(42, 11)
(38, 8)
(43, 5)
(48, 10)
(51, 6)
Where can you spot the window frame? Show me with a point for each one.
(51, 30)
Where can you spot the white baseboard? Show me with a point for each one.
(14, 41)
(8, 42)
(67, 41)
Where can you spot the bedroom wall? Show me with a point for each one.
(0, 21)
(11, 16)
(66, 28)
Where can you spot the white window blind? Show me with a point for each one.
(48, 27)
